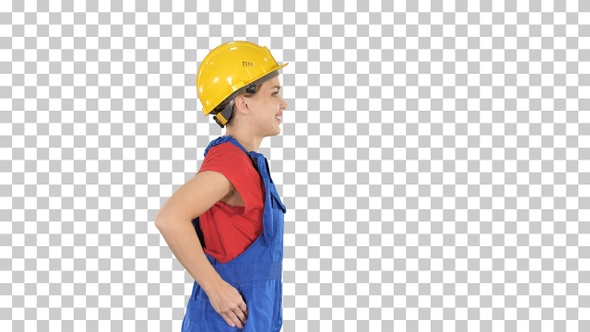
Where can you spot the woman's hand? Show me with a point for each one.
(228, 303)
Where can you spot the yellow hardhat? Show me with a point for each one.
(228, 68)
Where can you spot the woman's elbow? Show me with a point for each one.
(170, 219)
(161, 221)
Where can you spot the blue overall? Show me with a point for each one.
(256, 273)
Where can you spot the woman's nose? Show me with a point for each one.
(283, 103)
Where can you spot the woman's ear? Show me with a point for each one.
(241, 104)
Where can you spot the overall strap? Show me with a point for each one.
(224, 139)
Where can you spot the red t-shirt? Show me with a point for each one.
(229, 230)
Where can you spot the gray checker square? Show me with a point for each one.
(434, 160)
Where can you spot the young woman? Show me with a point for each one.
(225, 225)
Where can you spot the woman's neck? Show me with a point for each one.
(249, 142)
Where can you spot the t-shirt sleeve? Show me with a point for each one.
(237, 167)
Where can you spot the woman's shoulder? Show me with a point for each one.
(226, 149)
(229, 157)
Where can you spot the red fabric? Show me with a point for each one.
(229, 230)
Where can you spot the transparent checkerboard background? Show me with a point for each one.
(434, 160)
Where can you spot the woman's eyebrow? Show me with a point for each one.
(276, 87)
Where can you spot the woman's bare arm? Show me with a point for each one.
(174, 223)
